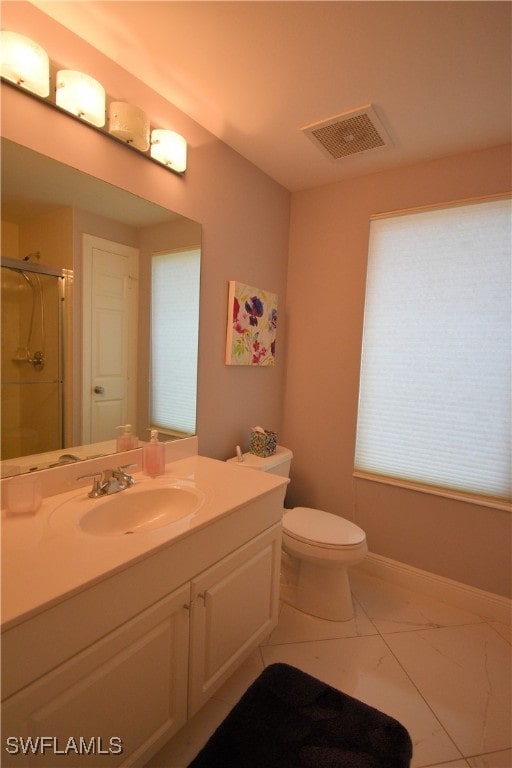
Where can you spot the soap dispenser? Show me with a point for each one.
(154, 456)
(126, 441)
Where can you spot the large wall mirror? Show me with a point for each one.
(77, 256)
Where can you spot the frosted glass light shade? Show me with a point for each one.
(130, 124)
(81, 95)
(24, 62)
(169, 148)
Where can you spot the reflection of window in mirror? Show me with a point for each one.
(174, 335)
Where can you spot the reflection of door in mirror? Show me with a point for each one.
(31, 307)
(110, 301)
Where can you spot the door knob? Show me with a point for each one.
(99, 390)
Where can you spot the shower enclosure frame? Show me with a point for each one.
(64, 277)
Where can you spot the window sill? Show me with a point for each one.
(470, 498)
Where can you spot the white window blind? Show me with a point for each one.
(435, 389)
(174, 334)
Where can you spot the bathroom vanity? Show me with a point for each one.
(110, 642)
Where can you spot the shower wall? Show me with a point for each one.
(31, 360)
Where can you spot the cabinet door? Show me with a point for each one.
(235, 606)
(116, 702)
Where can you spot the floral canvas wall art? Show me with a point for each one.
(252, 323)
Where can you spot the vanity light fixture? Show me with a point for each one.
(81, 95)
(169, 148)
(25, 64)
(130, 124)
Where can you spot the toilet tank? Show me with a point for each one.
(277, 464)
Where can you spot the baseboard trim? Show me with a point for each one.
(463, 596)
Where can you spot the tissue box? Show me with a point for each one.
(263, 443)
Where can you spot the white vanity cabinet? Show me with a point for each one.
(116, 698)
(131, 657)
(235, 605)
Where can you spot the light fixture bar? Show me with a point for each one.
(25, 65)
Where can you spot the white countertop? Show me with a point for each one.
(42, 565)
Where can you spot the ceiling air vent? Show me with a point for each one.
(351, 133)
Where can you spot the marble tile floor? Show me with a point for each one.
(441, 671)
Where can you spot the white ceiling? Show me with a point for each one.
(438, 74)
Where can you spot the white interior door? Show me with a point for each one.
(110, 306)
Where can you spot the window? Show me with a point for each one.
(174, 335)
(435, 389)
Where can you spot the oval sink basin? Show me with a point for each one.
(135, 510)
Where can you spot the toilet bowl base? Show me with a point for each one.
(324, 592)
(316, 591)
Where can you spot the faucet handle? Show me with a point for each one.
(96, 489)
(124, 476)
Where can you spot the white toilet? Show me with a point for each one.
(318, 548)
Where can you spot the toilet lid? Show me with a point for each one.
(321, 527)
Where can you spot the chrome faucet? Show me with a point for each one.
(109, 481)
(122, 477)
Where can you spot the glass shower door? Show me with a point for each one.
(31, 359)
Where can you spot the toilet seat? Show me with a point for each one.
(314, 526)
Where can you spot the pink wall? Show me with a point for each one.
(244, 214)
(326, 285)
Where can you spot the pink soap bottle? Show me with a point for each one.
(154, 456)
(126, 441)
